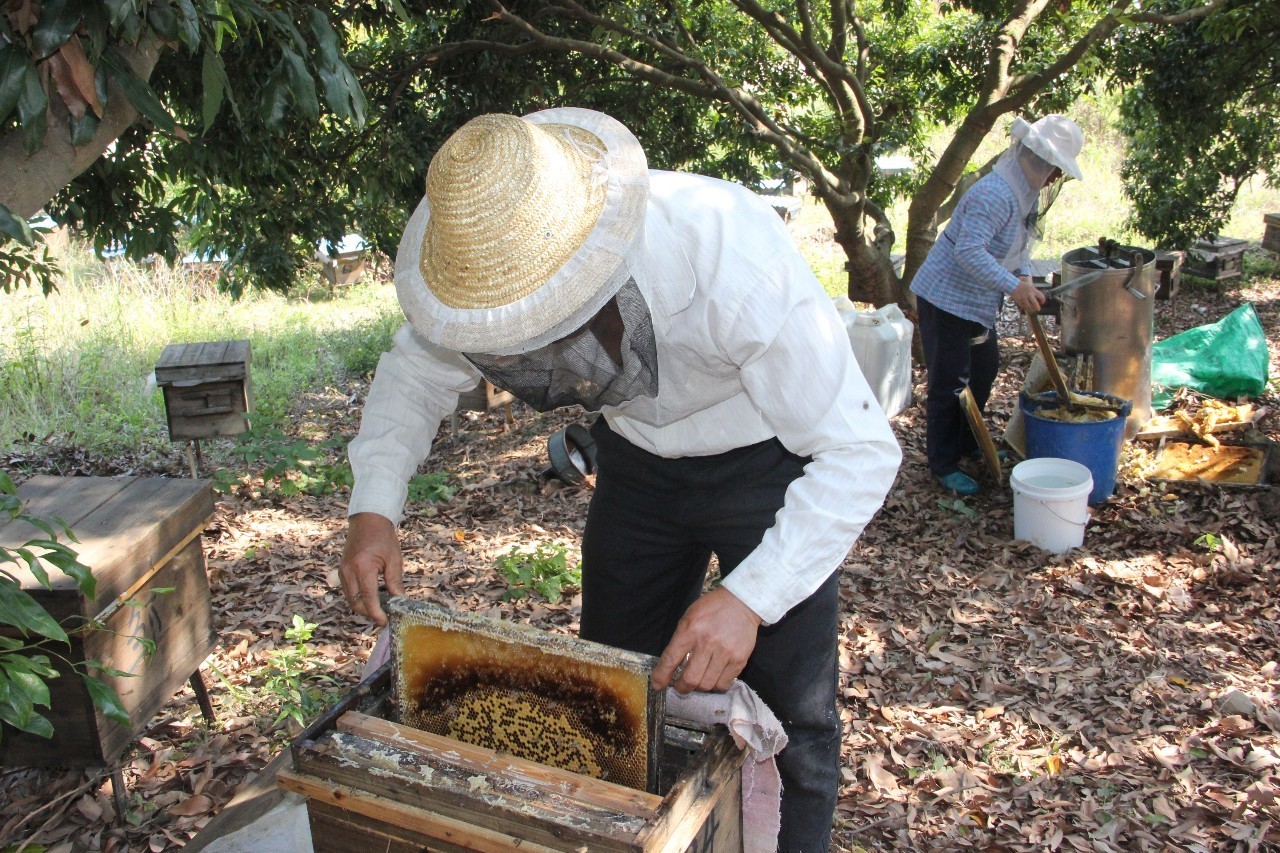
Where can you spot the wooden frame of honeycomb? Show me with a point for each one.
(550, 698)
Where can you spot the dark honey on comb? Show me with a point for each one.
(550, 698)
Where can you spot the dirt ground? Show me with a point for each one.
(1120, 697)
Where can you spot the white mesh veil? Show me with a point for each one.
(1026, 172)
(579, 368)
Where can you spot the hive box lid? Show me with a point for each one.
(1220, 244)
(125, 526)
(209, 361)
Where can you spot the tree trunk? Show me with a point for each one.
(939, 187)
(32, 180)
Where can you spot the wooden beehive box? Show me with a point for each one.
(342, 264)
(1271, 234)
(483, 397)
(1169, 273)
(138, 535)
(343, 270)
(1217, 259)
(374, 784)
(207, 387)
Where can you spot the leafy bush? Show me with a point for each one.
(544, 570)
(292, 678)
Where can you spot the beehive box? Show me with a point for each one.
(1169, 273)
(1271, 234)
(139, 535)
(371, 783)
(208, 389)
(345, 269)
(1217, 259)
(483, 397)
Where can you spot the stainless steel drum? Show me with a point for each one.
(1112, 318)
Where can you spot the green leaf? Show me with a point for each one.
(32, 104)
(213, 79)
(111, 672)
(14, 66)
(19, 609)
(58, 22)
(301, 83)
(33, 564)
(83, 128)
(25, 682)
(35, 664)
(66, 560)
(138, 92)
(17, 709)
(275, 97)
(163, 21)
(16, 228)
(120, 9)
(188, 24)
(106, 700)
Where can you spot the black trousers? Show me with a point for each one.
(652, 527)
(953, 361)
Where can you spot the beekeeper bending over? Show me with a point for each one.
(546, 258)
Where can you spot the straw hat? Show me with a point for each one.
(1055, 139)
(523, 231)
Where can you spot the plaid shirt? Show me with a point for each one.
(962, 274)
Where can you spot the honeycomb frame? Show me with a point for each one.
(550, 698)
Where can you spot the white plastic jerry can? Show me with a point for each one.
(881, 342)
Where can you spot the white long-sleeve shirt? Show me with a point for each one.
(754, 350)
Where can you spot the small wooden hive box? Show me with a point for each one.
(1271, 234)
(484, 397)
(138, 535)
(1169, 273)
(372, 779)
(343, 264)
(1217, 259)
(208, 389)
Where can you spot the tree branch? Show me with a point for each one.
(31, 181)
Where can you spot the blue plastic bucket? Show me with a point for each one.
(1094, 444)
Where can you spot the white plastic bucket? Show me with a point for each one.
(1050, 502)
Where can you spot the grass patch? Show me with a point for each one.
(76, 365)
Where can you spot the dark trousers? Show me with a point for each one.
(652, 527)
(953, 361)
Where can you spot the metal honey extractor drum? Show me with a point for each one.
(1112, 319)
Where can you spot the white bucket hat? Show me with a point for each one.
(1055, 139)
(524, 230)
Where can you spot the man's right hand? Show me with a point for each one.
(372, 552)
(1027, 296)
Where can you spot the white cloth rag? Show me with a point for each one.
(753, 726)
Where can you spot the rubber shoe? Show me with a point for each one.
(958, 482)
(1002, 455)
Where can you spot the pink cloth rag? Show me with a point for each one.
(379, 654)
(755, 728)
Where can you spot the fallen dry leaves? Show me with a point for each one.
(1121, 697)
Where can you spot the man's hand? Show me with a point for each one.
(1027, 296)
(372, 551)
(713, 640)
